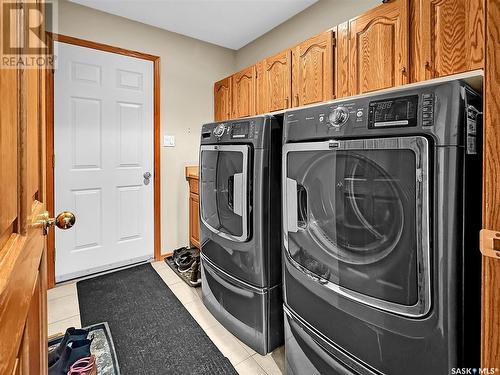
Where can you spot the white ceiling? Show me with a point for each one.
(227, 23)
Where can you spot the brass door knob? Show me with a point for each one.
(64, 220)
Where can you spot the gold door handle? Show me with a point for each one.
(64, 220)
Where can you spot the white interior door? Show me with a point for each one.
(103, 145)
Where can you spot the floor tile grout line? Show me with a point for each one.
(60, 320)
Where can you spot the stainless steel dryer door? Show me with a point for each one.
(224, 190)
(356, 219)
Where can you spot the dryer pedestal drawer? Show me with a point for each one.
(252, 314)
(307, 353)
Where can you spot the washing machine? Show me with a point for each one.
(240, 212)
(381, 220)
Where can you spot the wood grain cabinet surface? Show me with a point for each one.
(194, 205)
(378, 44)
(223, 99)
(276, 83)
(447, 37)
(243, 91)
(312, 70)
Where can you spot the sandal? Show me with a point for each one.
(84, 366)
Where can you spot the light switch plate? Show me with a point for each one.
(168, 141)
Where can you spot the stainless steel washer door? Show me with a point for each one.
(224, 190)
(356, 219)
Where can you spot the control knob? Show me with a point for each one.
(338, 116)
(219, 130)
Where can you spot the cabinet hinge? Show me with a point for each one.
(334, 42)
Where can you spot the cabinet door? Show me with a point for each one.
(244, 92)
(222, 99)
(194, 219)
(260, 89)
(312, 75)
(378, 45)
(277, 81)
(452, 37)
(342, 60)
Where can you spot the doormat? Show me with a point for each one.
(152, 332)
(102, 348)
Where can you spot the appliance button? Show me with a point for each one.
(427, 109)
(427, 115)
(427, 102)
(359, 113)
(427, 123)
(427, 96)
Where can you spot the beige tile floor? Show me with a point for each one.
(64, 312)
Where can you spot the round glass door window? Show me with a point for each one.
(354, 208)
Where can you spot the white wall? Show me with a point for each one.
(189, 68)
(321, 16)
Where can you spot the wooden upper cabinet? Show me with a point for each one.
(277, 86)
(312, 71)
(222, 99)
(378, 43)
(260, 89)
(244, 92)
(449, 37)
(342, 60)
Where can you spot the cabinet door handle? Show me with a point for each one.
(286, 102)
(296, 100)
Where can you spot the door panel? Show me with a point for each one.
(222, 99)
(277, 81)
(313, 70)
(379, 40)
(103, 146)
(342, 60)
(353, 213)
(23, 283)
(194, 218)
(244, 92)
(452, 37)
(224, 190)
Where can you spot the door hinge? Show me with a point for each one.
(489, 243)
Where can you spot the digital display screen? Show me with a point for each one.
(393, 112)
(240, 129)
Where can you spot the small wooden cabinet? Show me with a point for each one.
(312, 71)
(243, 90)
(222, 99)
(276, 86)
(378, 44)
(194, 206)
(447, 37)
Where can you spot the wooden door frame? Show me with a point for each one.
(52, 37)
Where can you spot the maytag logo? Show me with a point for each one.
(473, 371)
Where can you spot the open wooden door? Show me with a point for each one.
(23, 278)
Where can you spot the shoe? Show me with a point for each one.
(84, 366)
(181, 255)
(185, 263)
(72, 334)
(73, 352)
(194, 271)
